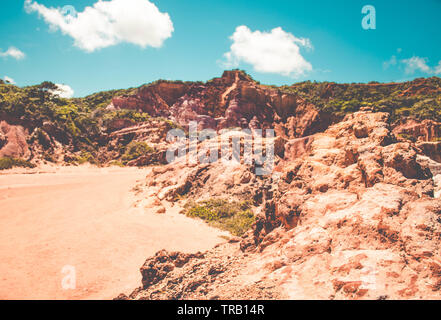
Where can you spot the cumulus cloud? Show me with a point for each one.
(63, 91)
(12, 52)
(8, 79)
(437, 69)
(416, 64)
(391, 62)
(276, 51)
(108, 23)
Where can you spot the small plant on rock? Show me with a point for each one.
(235, 217)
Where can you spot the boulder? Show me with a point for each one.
(13, 141)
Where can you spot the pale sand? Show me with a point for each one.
(84, 217)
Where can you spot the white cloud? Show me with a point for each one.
(276, 51)
(108, 23)
(8, 79)
(12, 52)
(420, 64)
(437, 69)
(391, 62)
(63, 91)
(413, 65)
(416, 64)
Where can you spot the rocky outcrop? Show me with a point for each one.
(154, 99)
(426, 130)
(13, 142)
(119, 124)
(431, 149)
(233, 100)
(172, 276)
(426, 134)
(348, 213)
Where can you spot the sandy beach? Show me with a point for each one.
(85, 218)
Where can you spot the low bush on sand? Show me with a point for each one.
(134, 150)
(8, 163)
(235, 217)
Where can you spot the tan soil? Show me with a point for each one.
(84, 217)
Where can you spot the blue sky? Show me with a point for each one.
(317, 40)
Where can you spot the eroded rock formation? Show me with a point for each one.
(348, 213)
(13, 141)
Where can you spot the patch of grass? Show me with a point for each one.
(235, 217)
(116, 163)
(134, 150)
(82, 158)
(407, 137)
(86, 157)
(124, 114)
(173, 125)
(8, 163)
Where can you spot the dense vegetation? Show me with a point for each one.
(134, 150)
(8, 163)
(235, 217)
(420, 98)
(77, 122)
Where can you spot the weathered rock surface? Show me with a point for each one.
(153, 99)
(426, 130)
(230, 101)
(234, 100)
(13, 141)
(349, 213)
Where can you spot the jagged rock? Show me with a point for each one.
(13, 141)
(234, 100)
(295, 148)
(426, 130)
(154, 99)
(119, 124)
(431, 149)
(160, 210)
(353, 215)
(157, 268)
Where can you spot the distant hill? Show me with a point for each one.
(82, 128)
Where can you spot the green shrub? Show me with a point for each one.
(82, 158)
(124, 114)
(86, 157)
(116, 163)
(134, 150)
(407, 137)
(8, 163)
(235, 217)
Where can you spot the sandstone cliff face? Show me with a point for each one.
(348, 213)
(426, 134)
(13, 141)
(234, 100)
(153, 99)
(426, 130)
(230, 101)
